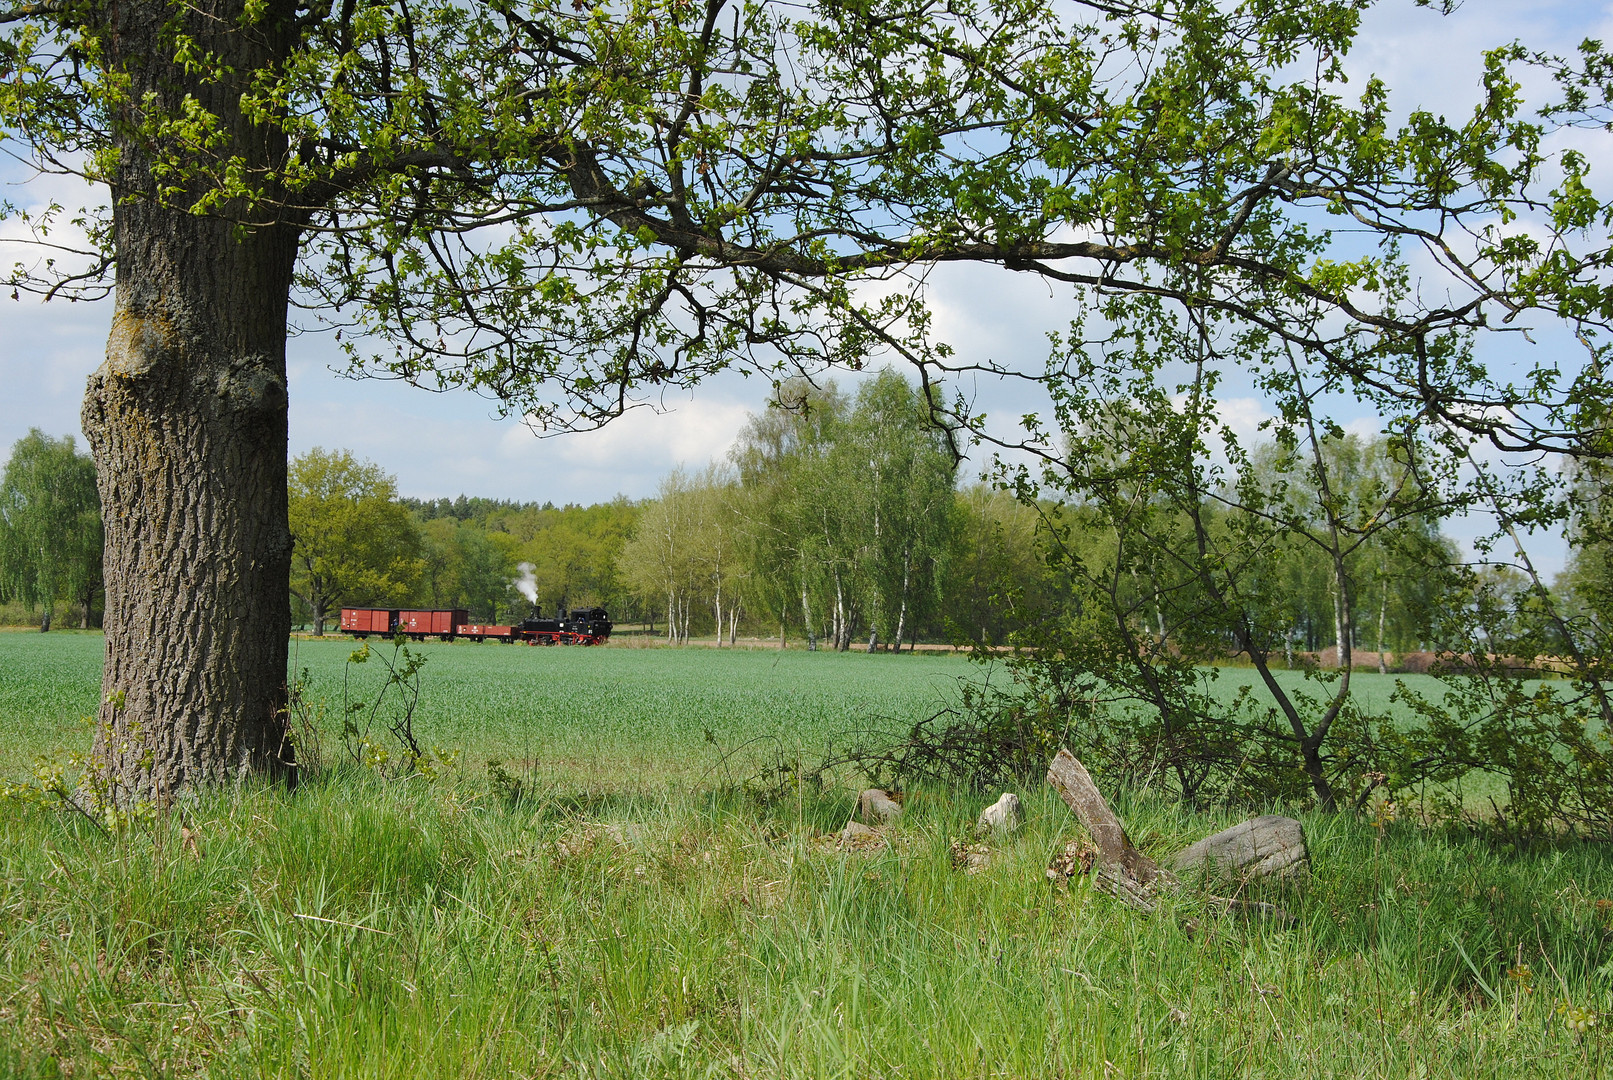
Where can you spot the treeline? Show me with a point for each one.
(837, 519)
(50, 533)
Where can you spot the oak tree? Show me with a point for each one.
(574, 207)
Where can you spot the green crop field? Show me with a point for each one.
(617, 714)
(633, 716)
(629, 914)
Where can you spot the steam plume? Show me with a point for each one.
(527, 583)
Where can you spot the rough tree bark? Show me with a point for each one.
(1266, 846)
(187, 421)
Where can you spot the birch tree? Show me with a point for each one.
(897, 471)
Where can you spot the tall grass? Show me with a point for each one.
(366, 929)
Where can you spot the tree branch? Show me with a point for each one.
(34, 10)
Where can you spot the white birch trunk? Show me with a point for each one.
(901, 612)
(806, 620)
(1383, 610)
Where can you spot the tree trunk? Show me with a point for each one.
(716, 604)
(1339, 645)
(1266, 846)
(187, 421)
(901, 613)
(806, 619)
(1383, 611)
(1121, 868)
(841, 641)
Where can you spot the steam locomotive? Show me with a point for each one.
(584, 626)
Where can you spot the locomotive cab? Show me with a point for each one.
(589, 623)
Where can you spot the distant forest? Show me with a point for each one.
(839, 520)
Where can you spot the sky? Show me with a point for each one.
(450, 444)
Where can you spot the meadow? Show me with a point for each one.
(577, 716)
(630, 912)
(643, 718)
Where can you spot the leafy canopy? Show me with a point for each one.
(353, 542)
(574, 206)
(50, 522)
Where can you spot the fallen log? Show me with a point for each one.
(1266, 846)
(1120, 868)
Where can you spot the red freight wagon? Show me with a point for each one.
(478, 631)
(418, 624)
(362, 621)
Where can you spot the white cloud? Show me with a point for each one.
(46, 354)
(692, 433)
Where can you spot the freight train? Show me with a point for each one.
(584, 626)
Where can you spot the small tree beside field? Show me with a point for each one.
(50, 527)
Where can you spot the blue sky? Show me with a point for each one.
(447, 444)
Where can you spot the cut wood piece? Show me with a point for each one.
(1271, 843)
(1266, 846)
(1121, 868)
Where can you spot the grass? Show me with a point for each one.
(631, 915)
(368, 930)
(639, 714)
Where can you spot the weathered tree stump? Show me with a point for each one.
(1263, 846)
(1121, 869)
(1266, 846)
